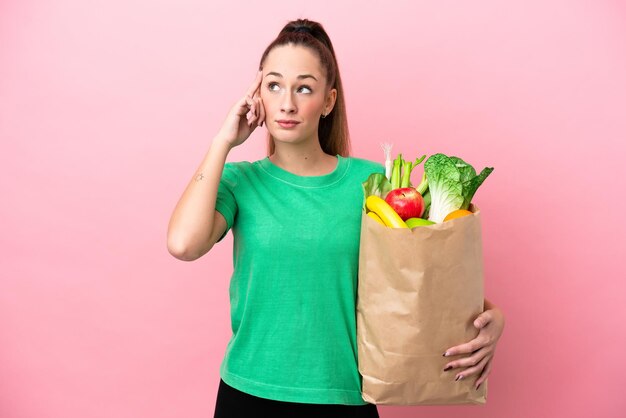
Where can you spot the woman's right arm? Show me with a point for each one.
(195, 225)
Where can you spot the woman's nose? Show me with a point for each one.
(288, 105)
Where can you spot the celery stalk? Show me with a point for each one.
(423, 186)
(395, 173)
(407, 167)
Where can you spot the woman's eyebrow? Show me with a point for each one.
(300, 77)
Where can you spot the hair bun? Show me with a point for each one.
(302, 29)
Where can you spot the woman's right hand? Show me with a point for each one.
(245, 115)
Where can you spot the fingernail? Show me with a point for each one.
(478, 387)
(459, 377)
(447, 368)
(445, 354)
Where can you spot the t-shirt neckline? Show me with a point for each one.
(306, 181)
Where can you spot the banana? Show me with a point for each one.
(384, 211)
(375, 217)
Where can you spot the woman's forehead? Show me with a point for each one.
(291, 61)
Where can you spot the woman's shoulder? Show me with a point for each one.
(239, 165)
(234, 171)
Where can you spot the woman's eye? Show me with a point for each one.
(276, 87)
(305, 89)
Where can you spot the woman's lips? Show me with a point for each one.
(287, 124)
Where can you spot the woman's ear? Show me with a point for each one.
(331, 98)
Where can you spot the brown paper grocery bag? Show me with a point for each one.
(419, 292)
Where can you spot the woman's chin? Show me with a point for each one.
(287, 137)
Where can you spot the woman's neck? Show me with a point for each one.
(303, 160)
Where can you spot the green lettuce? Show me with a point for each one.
(452, 184)
(376, 184)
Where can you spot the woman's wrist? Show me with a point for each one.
(222, 143)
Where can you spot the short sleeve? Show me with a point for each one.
(226, 204)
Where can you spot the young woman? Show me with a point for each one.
(295, 217)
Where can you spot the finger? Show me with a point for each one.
(255, 84)
(256, 112)
(251, 104)
(261, 112)
(484, 374)
(471, 371)
(248, 101)
(476, 344)
(483, 319)
(252, 114)
(250, 109)
(241, 107)
(470, 361)
(255, 99)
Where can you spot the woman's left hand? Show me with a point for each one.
(481, 349)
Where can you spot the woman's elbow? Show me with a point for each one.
(182, 250)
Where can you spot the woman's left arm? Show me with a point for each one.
(481, 349)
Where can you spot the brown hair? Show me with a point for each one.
(333, 129)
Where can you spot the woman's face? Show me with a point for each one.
(294, 94)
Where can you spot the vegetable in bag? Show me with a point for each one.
(452, 184)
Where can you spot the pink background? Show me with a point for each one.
(106, 109)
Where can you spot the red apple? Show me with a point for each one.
(407, 202)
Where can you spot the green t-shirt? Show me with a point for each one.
(293, 289)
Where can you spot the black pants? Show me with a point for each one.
(232, 403)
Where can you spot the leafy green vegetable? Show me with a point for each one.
(470, 186)
(376, 184)
(452, 184)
